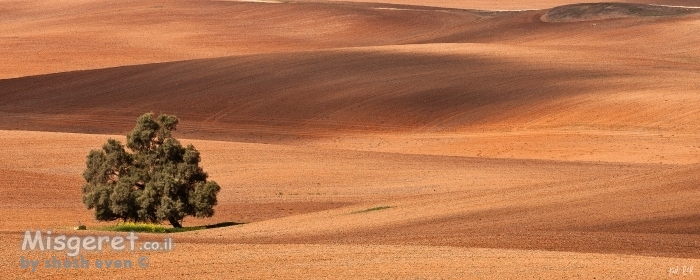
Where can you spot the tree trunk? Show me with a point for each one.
(174, 222)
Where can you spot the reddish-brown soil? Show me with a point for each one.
(555, 142)
(517, 5)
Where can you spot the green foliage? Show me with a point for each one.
(137, 227)
(158, 180)
(148, 228)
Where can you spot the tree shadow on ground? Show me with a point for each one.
(223, 224)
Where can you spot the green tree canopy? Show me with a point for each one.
(158, 180)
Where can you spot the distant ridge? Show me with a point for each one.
(602, 11)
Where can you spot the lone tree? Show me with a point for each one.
(160, 180)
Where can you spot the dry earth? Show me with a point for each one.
(556, 142)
